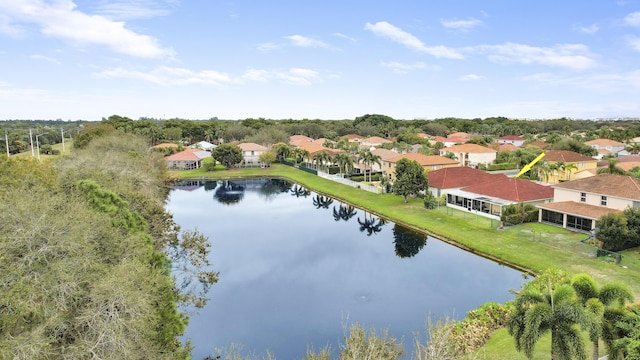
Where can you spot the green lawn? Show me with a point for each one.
(68, 144)
(529, 247)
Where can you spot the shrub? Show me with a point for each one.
(519, 213)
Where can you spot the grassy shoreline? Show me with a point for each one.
(530, 248)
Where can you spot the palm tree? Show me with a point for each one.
(322, 159)
(600, 304)
(633, 148)
(567, 170)
(369, 158)
(544, 170)
(556, 311)
(344, 161)
(612, 168)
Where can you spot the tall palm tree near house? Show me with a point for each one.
(543, 170)
(282, 151)
(322, 159)
(602, 305)
(344, 162)
(299, 154)
(369, 158)
(554, 310)
(612, 168)
(568, 168)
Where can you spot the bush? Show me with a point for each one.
(519, 213)
(502, 166)
(209, 166)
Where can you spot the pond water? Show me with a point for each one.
(297, 269)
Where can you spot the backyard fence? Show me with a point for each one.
(355, 184)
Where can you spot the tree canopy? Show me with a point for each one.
(411, 179)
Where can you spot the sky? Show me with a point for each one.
(312, 59)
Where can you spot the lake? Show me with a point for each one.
(298, 268)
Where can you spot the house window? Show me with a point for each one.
(583, 197)
(252, 153)
(603, 200)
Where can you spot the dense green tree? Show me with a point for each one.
(411, 179)
(90, 132)
(612, 168)
(227, 154)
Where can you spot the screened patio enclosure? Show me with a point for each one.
(484, 205)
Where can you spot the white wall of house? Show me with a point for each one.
(611, 202)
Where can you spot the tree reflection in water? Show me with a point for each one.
(408, 242)
(371, 225)
(345, 212)
(273, 188)
(321, 201)
(299, 191)
(229, 193)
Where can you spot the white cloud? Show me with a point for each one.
(402, 68)
(172, 76)
(131, 9)
(633, 19)
(7, 28)
(60, 19)
(571, 56)
(340, 35)
(471, 77)
(45, 58)
(268, 46)
(463, 25)
(588, 29)
(634, 42)
(386, 30)
(303, 41)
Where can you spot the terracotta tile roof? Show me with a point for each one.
(384, 153)
(295, 138)
(512, 137)
(578, 209)
(458, 134)
(314, 148)
(352, 136)
(461, 176)
(468, 148)
(189, 154)
(626, 158)
(506, 147)
(451, 139)
(628, 165)
(423, 135)
(517, 190)
(566, 156)
(604, 142)
(252, 147)
(622, 186)
(376, 140)
(424, 160)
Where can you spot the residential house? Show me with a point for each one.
(578, 204)
(251, 154)
(353, 138)
(454, 178)
(511, 139)
(471, 154)
(384, 156)
(606, 146)
(449, 141)
(374, 141)
(294, 140)
(459, 134)
(563, 165)
(489, 198)
(428, 162)
(189, 159)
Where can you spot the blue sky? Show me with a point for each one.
(329, 59)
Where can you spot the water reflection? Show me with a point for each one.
(408, 242)
(300, 191)
(293, 266)
(321, 201)
(344, 212)
(371, 225)
(229, 192)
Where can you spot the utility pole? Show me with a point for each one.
(62, 130)
(6, 141)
